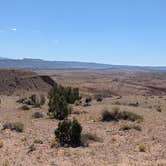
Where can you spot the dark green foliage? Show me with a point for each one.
(58, 107)
(88, 99)
(70, 94)
(68, 133)
(116, 115)
(99, 98)
(59, 98)
(129, 127)
(109, 116)
(42, 100)
(33, 99)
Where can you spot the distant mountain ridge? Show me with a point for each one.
(38, 64)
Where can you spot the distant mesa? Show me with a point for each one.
(38, 64)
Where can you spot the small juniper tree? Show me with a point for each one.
(59, 98)
(69, 133)
(58, 107)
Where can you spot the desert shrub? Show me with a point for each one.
(33, 99)
(20, 100)
(99, 98)
(17, 126)
(110, 116)
(88, 99)
(59, 99)
(125, 115)
(70, 94)
(142, 148)
(68, 133)
(25, 107)
(116, 115)
(158, 109)
(38, 141)
(37, 115)
(42, 99)
(58, 107)
(36, 101)
(129, 127)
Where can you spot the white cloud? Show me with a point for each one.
(13, 29)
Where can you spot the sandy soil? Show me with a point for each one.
(115, 147)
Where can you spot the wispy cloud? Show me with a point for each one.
(13, 29)
(1, 30)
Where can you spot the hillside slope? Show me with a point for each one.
(19, 80)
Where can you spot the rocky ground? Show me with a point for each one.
(113, 146)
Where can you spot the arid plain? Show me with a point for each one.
(120, 142)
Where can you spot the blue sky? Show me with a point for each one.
(129, 32)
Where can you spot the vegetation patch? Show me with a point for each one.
(117, 115)
(33, 100)
(68, 133)
(129, 127)
(17, 126)
(99, 98)
(59, 100)
(38, 115)
(24, 107)
(142, 148)
(38, 141)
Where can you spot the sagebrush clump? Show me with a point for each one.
(117, 115)
(17, 126)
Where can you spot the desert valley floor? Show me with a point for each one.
(113, 145)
